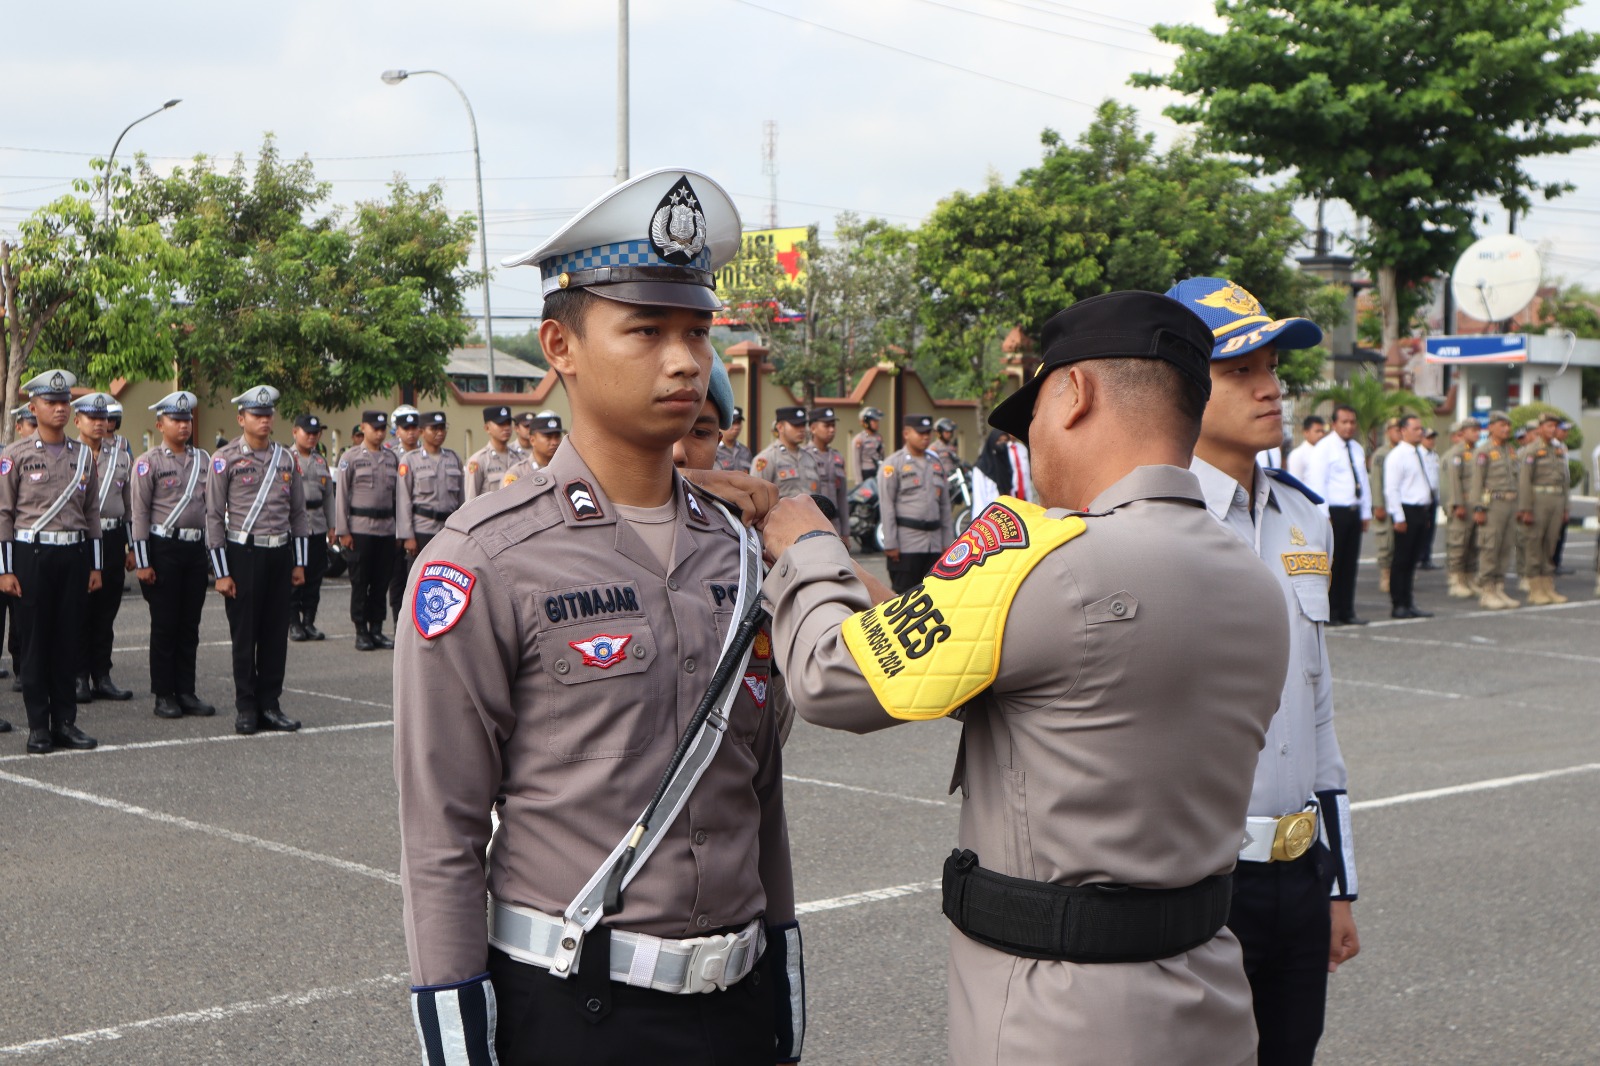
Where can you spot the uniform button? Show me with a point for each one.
(638, 651)
(540, 479)
(688, 666)
(699, 836)
(1119, 608)
(594, 1005)
(561, 666)
(1284, 750)
(672, 585)
(783, 571)
(704, 921)
(1239, 499)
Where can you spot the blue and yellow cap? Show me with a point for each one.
(1237, 321)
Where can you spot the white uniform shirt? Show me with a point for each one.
(1338, 473)
(1405, 480)
(1300, 461)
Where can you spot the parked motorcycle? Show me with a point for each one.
(866, 524)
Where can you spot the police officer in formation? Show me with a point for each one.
(50, 559)
(1494, 511)
(544, 437)
(732, 454)
(167, 516)
(563, 719)
(1108, 738)
(317, 481)
(1455, 496)
(256, 534)
(786, 462)
(914, 505)
(114, 467)
(831, 478)
(407, 423)
(867, 446)
(364, 521)
(1543, 506)
(944, 443)
(486, 467)
(431, 488)
(24, 425)
(1296, 878)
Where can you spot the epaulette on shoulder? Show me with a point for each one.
(491, 508)
(1293, 482)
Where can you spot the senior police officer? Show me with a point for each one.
(1297, 854)
(1543, 506)
(1118, 665)
(167, 516)
(256, 533)
(113, 465)
(914, 503)
(486, 467)
(564, 718)
(1494, 511)
(544, 437)
(50, 559)
(732, 454)
(1455, 496)
(431, 488)
(785, 462)
(867, 446)
(318, 484)
(364, 521)
(832, 481)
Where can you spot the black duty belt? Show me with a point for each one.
(429, 512)
(1084, 923)
(927, 525)
(372, 512)
(313, 505)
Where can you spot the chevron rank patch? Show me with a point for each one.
(581, 495)
(441, 597)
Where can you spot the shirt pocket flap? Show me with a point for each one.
(595, 650)
(1313, 597)
(1117, 607)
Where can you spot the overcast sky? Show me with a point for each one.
(882, 106)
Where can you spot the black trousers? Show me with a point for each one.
(1408, 548)
(258, 620)
(104, 604)
(1346, 559)
(908, 573)
(1281, 916)
(176, 601)
(371, 565)
(403, 565)
(54, 603)
(1561, 542)
(305, 599)
(543, 1022)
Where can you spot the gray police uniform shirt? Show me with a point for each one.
(160, 479)
(33, 476)
(1140, 668)
(432, 487)
(560, 664)
(115, 467)
(367, 480)
(737, 457)
(317, 481)
(794, 472)
(486, 468)
(1301, 761)
(234, 485)
(867, 447)
(519, 470)
(831, 484)
(915, 489)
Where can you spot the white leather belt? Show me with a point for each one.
(258, 540)
(680, 967)
(109, 524)
(50, 540)
(1279, 839)
(168, 532)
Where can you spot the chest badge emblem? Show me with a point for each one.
(603, 649)
(1297, 538)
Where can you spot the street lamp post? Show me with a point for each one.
(113, 157)
(395, 77)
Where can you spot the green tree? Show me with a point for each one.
(1374, 405)
(1408, 111)
(861, 298)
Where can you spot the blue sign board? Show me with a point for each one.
(1479, 348)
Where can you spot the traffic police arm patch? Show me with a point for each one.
(441, 597)
(930, 650)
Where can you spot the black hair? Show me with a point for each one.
(1312, 420)
(1344, 407)
(568, 307)
(1140, 384)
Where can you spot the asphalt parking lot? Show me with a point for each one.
(185, 896)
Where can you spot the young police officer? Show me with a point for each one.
(317, 482)
(914, 497)
(113, 464)
(432, 481)
(562, 632)
(1297, 854)
(364, 522)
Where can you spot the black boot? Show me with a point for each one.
(70, 736)
(364, 641)
(246, 723)
(376, 629)
(106, 689)
(297, 631)
(40, 742)
(85, 692)
(312, 632)
(5, 672)
(167, 707)
(189, 703)
(5, 726)
(274, 719)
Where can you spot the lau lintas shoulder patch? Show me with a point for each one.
(441, 597)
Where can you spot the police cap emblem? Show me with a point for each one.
(678, 226)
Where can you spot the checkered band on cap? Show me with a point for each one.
(625, 253)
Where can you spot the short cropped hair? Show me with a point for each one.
(1312, 420)
(568, 307)
(1143, 385)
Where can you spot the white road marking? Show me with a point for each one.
(201, 827)
(221, 738)
(871, 895)
(1474, 786)
(867, 791)
(1354, 631)
(202, 1016)
(1505, 650)
(340, 699)
(1400, 688)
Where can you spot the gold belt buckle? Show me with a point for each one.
(1294, 837)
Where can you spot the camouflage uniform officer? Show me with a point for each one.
(1382, 521)
(1494, 511)
(168, 522)
(50, 559)
(914, 503)
(1543, 506)
(831, 477)
(432, 487)
(785, 462)
(1455, 495)
(486, 467)
(732, 453)
(114, 470)
(317, 481)
(867, 446)
(256, 532)
(563, 634)
(364, 523)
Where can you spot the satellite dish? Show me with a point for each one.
(1496, 277)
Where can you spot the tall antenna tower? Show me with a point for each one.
(769, 167)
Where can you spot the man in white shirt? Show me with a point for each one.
(1337, 471)
(1409, 499)
(1313, 428)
